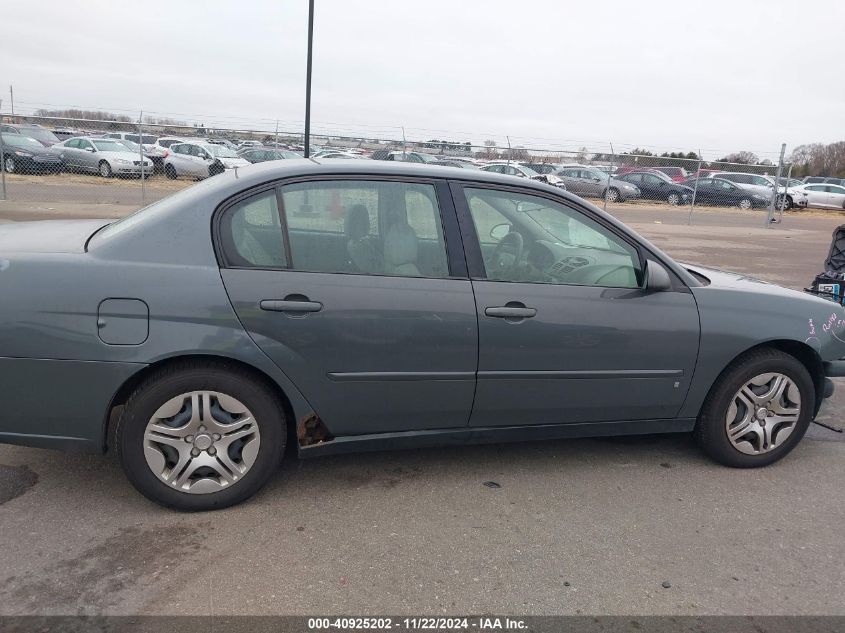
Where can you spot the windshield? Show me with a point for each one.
(285, 154)
(220, 151)
(41, 134)
(109, 146)
(595, 173)
(17, 140)
(132, 147)
(426, 158)
(529, 172)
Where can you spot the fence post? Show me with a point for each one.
(276, 137)
(509, 149)
(770, 216)
(609, 176)
(694, 189)
(141, 152)
(785, 187)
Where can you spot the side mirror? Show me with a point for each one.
(657, 278)
(90, 149)
(499, 231)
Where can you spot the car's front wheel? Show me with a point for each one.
(674, 198)
(746, 203)
(105, 169)
(757, 410)
(201, 436)
(612, 194)
(9, 165)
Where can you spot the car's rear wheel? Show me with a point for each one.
(170, 172)
(105, 169)
(674, 198)
(757, 410)
(9, 165)
(746, 203)
(201, 436)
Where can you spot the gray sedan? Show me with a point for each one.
(589, 182)
(360, 305)
(105, 156)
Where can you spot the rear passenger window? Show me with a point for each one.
(365, 227)
(251, 233)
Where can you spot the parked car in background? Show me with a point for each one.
(38, 132)
(817, 179)
(460, 164)
(25, 155)
(655, 185)
(262, 154)
(152, 151)
(165, 142)
(444, 312)
(225, 143)
(106, 156)
(764, 185)
(330, 153)
(677, 174)
(64, 133)
(588, 182)
(249, 143)
(523, 171)
(722, 192)
(824, 195)
(200, 160)
(543, 168)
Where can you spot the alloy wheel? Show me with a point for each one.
(745, 204)
(763, 413)
(674, 199)
(201, 442)
(10, 165)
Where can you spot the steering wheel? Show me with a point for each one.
(506, 255)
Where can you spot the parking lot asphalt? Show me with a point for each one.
(583, 526)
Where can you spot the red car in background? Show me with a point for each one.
(678, 174)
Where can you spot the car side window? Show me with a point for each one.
(365, 227)
(651, 179)
(72, 143)
(633, 177)
(543, 241)
(251, 233)
(83, 144)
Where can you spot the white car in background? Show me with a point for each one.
(200, 160)
(106, 156)
(824, 195)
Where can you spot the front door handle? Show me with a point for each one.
(275, 305)
(511, 312)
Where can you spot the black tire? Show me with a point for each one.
(674, 198)
(9, 164)
(170, 172)
(710, 431)
(195, 376)
(104, 169)
(746, 203)
(787, 205)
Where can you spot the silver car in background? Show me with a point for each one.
(200, 160)
(105, 156)
(590, 182)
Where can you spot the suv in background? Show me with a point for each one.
(677, 174)
(764, 185)
(813, 180)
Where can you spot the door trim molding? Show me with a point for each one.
(393, 376)
(599, 374)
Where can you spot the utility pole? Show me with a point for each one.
(308, 80)
(12, 98)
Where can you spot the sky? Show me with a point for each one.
(716, 76)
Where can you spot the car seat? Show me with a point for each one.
(360, 245)
(400, 251)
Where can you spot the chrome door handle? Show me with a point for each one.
(511, 312)
(275, 305)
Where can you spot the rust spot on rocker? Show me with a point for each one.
(311, 430)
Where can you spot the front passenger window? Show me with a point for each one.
(544, 241)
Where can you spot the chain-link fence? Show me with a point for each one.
(90, 165)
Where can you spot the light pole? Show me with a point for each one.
(308, 80)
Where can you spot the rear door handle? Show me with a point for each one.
(275, 305)
(511, 312)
